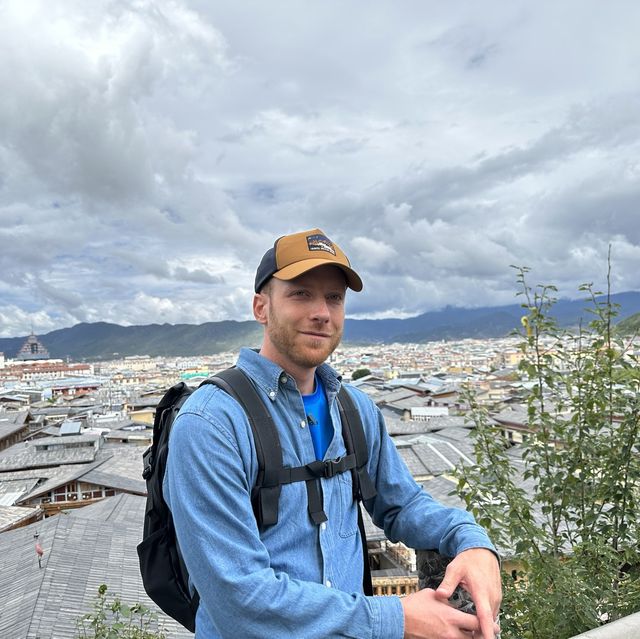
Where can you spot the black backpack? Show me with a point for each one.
(163, 571)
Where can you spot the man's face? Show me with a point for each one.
(303, 318)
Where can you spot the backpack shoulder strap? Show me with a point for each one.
(266, 492)
(363, 488)
(355, 442)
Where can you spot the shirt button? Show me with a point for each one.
(327, 583)
(272, 394)
(303, 423)
(323, 525)
(284, 379)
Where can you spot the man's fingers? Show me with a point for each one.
(467, 622)
(482, 623)
(478, 634)
(488, 627)
(444, 591)
(448, 584)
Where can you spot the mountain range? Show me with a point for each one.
(101, 340)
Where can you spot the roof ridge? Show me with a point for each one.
(115, 505)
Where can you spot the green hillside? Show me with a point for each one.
(630, 325)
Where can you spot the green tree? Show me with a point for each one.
(565, 502)
(360, 372)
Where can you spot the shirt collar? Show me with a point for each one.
(268, 376)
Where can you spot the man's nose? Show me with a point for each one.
(320, 310)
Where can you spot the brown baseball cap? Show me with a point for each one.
(293, 255)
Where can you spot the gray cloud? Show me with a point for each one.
(150, 154)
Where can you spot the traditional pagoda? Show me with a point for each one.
(32, 349)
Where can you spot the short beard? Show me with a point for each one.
(284, 343)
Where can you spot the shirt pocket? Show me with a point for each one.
(348, 508)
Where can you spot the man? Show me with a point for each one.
(299, 578)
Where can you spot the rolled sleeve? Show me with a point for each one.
(402, 508)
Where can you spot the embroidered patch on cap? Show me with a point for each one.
(320, 243)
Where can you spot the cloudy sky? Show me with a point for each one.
(151, 151)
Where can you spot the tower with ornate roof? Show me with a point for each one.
(32, 349)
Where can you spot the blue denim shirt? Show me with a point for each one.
(294, 579)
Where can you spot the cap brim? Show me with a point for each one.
(294, 270)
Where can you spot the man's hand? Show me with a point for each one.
(478, 572)
(427, 616)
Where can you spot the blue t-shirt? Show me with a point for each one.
(318, 418)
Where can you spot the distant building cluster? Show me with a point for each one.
(72, 437)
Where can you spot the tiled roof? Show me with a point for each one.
(121, 509)
(435, 423)
(427, 455)
(371, 530)
(51, 411)
(111, 480)
(12, 515)
(424, 459)
(408, 403)
(397, 426)
(62, 476)
(40, 473)
(514, 414)
(124, 460)
(447, 422)
(120, 466)
(440, 488)
(24, 456)
(11, 490)
(12, 422)
(144, 437)
(12, 398)
(65, 440)
(86, 548)
(49, 431)
(145, 403)
(114, 423)
(394, 395)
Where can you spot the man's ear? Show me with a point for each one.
(261, 307)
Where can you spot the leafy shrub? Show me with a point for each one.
(112, 619)
(566, 508)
